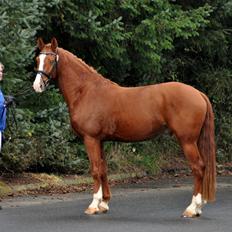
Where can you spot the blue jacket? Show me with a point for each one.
(2, 112)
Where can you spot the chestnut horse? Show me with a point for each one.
(101, 110)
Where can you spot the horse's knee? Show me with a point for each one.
(99, 172)
(95, 173)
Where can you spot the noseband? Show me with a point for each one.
(54, 65)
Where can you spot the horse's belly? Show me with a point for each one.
(138, 131)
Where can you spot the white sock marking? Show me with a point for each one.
(196, 205)
(104, 205)
(97, 198)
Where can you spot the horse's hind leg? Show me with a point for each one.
(101, 194)
(197, 165)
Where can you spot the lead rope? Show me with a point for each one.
(10, 105)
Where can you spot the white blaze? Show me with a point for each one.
(38, 84)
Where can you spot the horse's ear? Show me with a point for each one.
(40, 43)
(54, 44)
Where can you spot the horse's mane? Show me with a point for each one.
(87, 68)
(78, 60)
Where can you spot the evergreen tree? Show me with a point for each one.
(132, 42)
(20, 21)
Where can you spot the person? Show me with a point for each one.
(2, 109)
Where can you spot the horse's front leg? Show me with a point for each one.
(103, 206)
(101, 194)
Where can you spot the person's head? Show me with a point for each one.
(1, 71)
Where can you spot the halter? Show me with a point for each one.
(54, 65)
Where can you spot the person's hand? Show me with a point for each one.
(9, 100)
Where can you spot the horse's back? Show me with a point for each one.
(147, 110)
(170, 96)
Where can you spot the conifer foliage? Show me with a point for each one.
(132, 42)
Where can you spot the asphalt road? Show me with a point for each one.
(141, 208)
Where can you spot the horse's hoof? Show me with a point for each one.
(189, 214)
(103, 207)
(91, 211)
(103, 210)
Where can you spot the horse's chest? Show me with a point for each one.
(88, 124)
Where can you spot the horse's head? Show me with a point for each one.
(46, 64)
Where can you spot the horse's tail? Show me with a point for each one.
(206, 145)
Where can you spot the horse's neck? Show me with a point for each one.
(74, 76)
